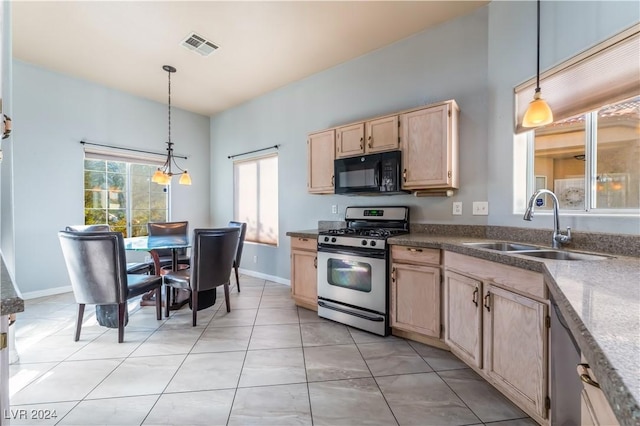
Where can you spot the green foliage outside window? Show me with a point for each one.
(122, 195)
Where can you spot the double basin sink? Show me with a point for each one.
(534, 251)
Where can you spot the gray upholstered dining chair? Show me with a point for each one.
(236, 261)
(96, 264)
(132, 267)
(169, 228)
(212, 255)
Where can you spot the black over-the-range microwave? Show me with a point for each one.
(372, 174)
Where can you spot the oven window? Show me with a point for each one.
(349, 274)
(358, 178)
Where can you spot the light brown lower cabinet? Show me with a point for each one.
(595, 409)
(304, 272)
(502, 334)
(415, 290)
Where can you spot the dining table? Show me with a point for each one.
(153, 243)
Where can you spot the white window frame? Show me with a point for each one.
(591, 131)
(236, 196)
(129, 160)
(557, 91)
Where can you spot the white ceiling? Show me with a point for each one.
(263, 45)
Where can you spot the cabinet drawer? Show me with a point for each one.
(510, 277)
(304, 243)
(405, 254)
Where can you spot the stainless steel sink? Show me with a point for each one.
(503, 246)
(563, 255)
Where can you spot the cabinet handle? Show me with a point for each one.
(414, 249)
(475, 297)
(486, 302)
(393, 274)
(404, 175)
(449, 174)
(361, 139)
(303, 239)
(586, 378)
(333, 180)
(360, 146)
(370, 144)
(315, 262)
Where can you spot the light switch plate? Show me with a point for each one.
(457, 208)
(480, 208)
(334, 209)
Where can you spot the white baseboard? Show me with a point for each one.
(265, 276)
(47, 292)
(66, 289)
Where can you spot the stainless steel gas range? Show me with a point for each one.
(352, 267)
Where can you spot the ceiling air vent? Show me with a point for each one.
(198, 44)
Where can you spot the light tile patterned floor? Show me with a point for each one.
(265, 363)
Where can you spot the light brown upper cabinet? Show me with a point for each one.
(429, 145)
(321, 148)
(377, 135)
(427, 137)
(350, 140)
(382, 134)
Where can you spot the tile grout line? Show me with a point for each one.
(373, 377)
(304, 365)
(235, 392)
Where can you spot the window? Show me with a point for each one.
(122, 194)
(591, 161)
(255, 189)
(589, 155)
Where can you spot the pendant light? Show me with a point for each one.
(539, 113)
(164, 174)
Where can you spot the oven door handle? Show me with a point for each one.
(353, 251)
(345, 311)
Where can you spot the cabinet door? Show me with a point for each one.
(321, 148)
(382, 134)
(515, 346)
(350, 140)
(463, 317)
(426, 148)
(304, 277)
(415, 299)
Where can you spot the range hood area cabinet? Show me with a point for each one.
(429, 145)
(368, 137)
(320, 155)
(427, 137)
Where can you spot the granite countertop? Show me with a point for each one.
(11, 300)
(311, 233)
(599, 299)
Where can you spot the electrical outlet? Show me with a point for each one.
(255, 259)
(334, 209)
(457, 208)
(480, 208)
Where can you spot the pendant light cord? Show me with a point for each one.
(538, 52)
(169, 107)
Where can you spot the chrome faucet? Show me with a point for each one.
(558, 236)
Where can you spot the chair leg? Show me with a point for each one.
(235, 267)
(194, 307)
(226, 297)
(159, 303)
(121, 310)
(79, 321)
(167, 290)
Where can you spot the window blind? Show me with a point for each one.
(100, 153)
(607, 73)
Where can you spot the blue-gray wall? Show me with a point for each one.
(52, 114)
(476, 59)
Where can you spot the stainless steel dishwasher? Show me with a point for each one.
(566, 386)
